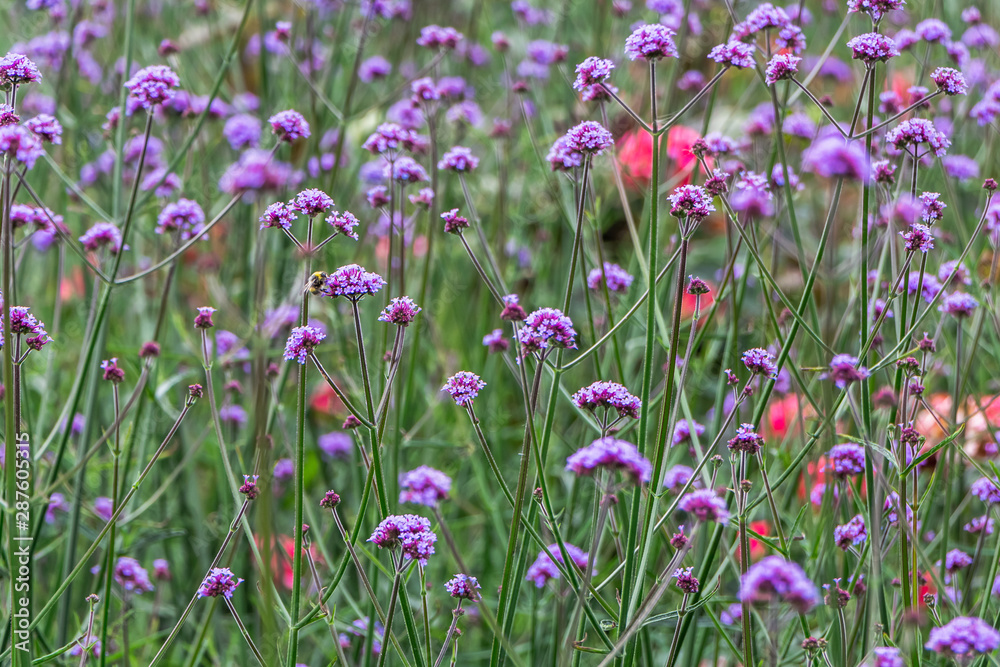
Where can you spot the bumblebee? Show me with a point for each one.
(317, 282)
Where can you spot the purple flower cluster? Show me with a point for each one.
(761, 18)
(184, 216)
(651, 42)
(874, 8)
(949, 80)
(46, 128)
(20, 143)
(959, 305)
(677, 477)
(289, 125)
(546, 328)
(401, 310)
(617, 279)
(916, 131)
(220, 581)
(773, 579)
(592, 72)
(986, 490)
(424, 486)
(16, 69)
(847, 459)
(747, 440)
(918, 238)
(683, 429)
(301, 342)
(612, 454)
(872, 47)
(458, 159)
(705, 505)
(436, 37)
(153, 85)
(608, 395)
(464, 387)
(843, 371)
(100, 235)
(353, 282)
(963, 638)
(692, 202)
(344, 223)
(734, 54)
(463, 587)
(409, 532)
(760, 362)
(781, 66)
(453, 222)
(851, 533)
(543, 569)
(131, 576)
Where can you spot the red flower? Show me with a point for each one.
(635, 155)
(325, 401)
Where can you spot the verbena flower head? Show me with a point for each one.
(311, 202)
(791, 38)
(887, 656)
(949, 80)
(464, 387)
(546, 328)
(401, 310)
(830, 156)
(691, 201)
(705, 505)
(153, 85)
(289, 125)
(512, 309)
(220, 581)
(872, 47)
(686, 581)
(453, 222)
(683, 429)
(615, 277)
(16, 69)
(851, 533)
(495, 341)
(301, 342)
(762, 17)
(956, 560)
(874, 8)
(747, 440)
(734, 54)
(409, 532)
(612, 454)
(458, 159)
(932, 208)
(781, 66)
(353, 282)
(100, 235)
(918, 238)
(344, 223)
(242, 131)
(388, 138)
(963, 638)
(775, 580)
(249, 487)
(543, 569)
(131, 576)
(959, 305)
(651, 42)
(436, 37)
(203, 320)
(184, 216)
(843, 371)
(933, 30)
(112, 372)
(675, 478)
(979, 524)
(760, 362)
(589, 138)
(424, 486)
(46, 128)
(610, 395)
(405, 170)
(463, 587)
(21, 143)
(592, 71)
(916, 131)
(847, 459)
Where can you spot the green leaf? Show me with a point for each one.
(933, 450)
